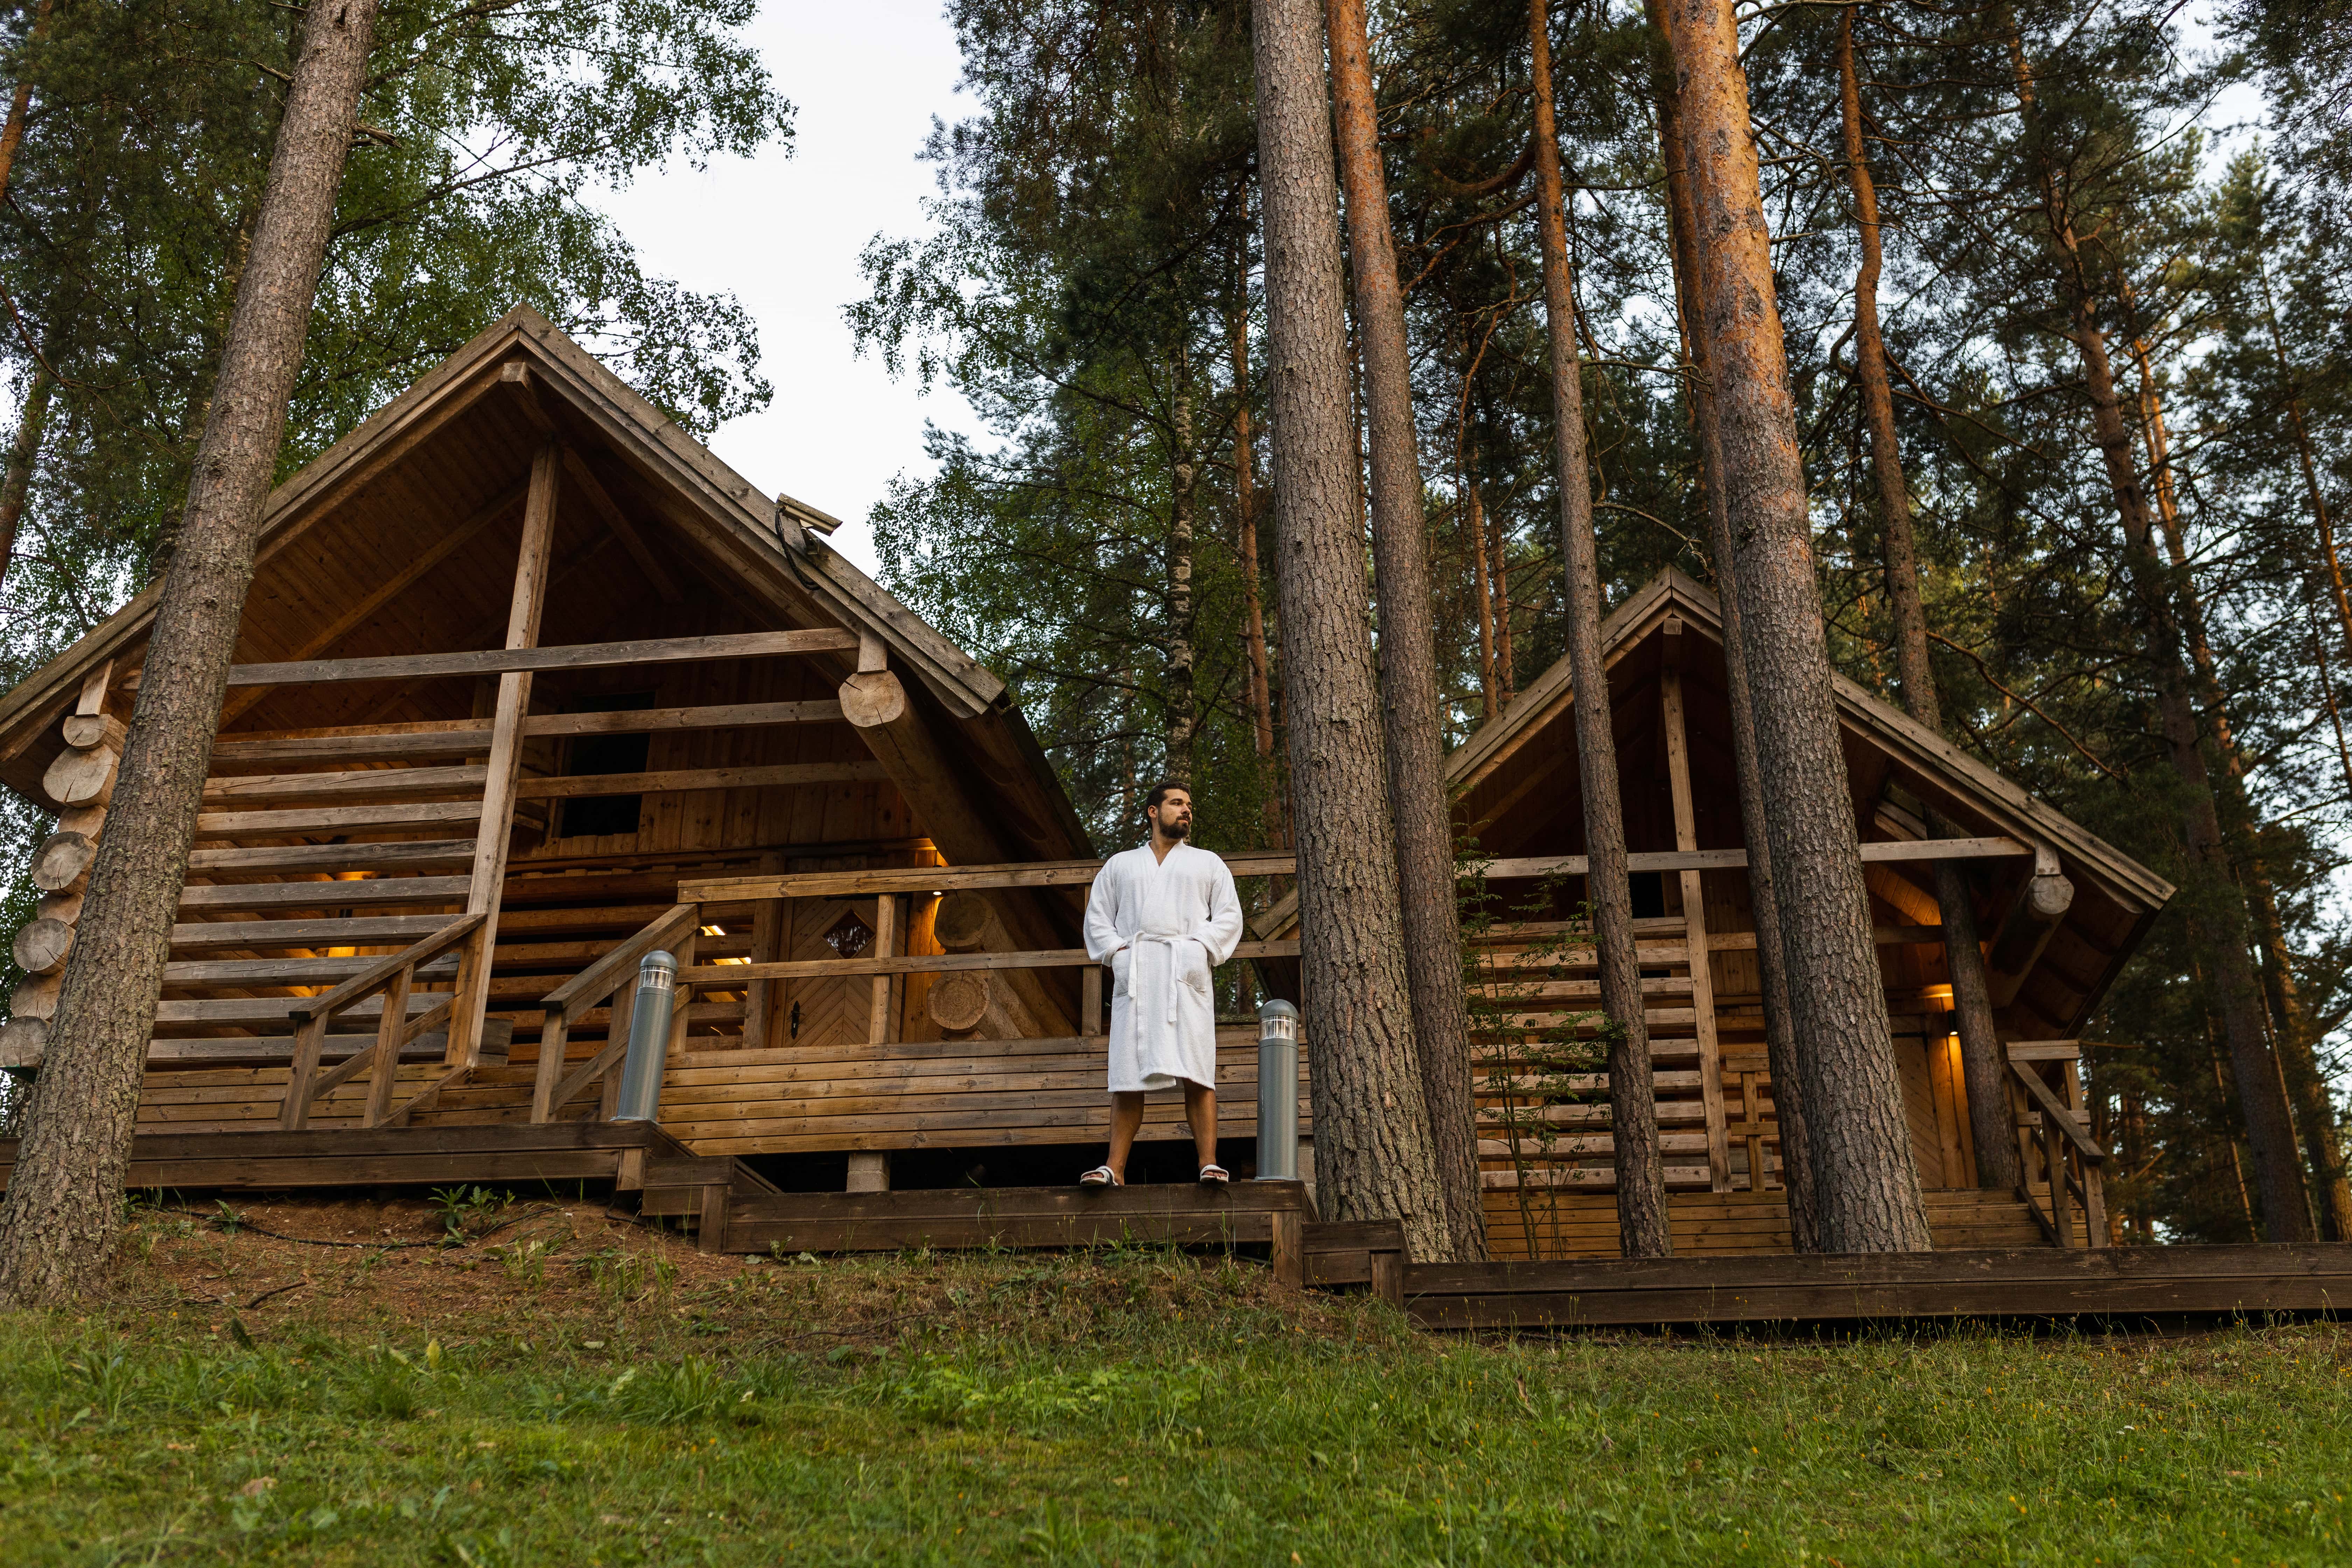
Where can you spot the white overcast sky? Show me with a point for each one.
(782, 234)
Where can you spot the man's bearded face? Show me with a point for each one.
(1173, 815)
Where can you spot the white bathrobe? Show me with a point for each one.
(1163, 925)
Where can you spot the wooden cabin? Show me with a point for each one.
(2059, 911)
(529, 684)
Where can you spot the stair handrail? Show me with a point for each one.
(592, 986)
(2072, 1158)
(393, 977)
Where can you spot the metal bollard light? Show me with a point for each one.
(649, 1020)
(1277, 1091)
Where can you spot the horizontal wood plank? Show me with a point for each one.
(583, 656)
(779, 775)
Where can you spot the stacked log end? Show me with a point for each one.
(81, 782)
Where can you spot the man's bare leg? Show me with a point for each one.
(1126, 1120)
(1200, 1111)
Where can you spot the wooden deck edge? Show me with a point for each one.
(2122, 1283)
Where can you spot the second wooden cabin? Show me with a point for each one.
(2060, 913)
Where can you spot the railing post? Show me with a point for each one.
(554, 1036)
(308, 1042)
(390, 1030)
(650, 1029)
(1277, 1091)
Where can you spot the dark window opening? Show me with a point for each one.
(1649, 890)
(589, 756)
(849, 936)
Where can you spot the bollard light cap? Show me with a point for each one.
(660, 969)
(1277, 1020)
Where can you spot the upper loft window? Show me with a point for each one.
(589, 756)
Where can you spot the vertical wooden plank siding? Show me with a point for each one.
(1702, 968)
(497, 830)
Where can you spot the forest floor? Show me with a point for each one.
(552, 1384)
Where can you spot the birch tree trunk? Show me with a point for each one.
(1984, 1074)
(1373, 1148)
(1641, 1222)
(1414, 743)
(64, 1202)
(1866, 1187)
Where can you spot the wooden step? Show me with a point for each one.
(266, 1010)
(252, 973)
(399, 745)
(265, 935)
(262, 860)
(318, 895)
(428, 819)
(365, 783)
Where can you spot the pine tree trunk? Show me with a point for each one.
(1372, 1154)
(1780, 1027)
(1641, 1221)
(1865, 1183)
(1984, 1074)
(1260, 693)
(2306, 1090)
(1414, 743)
(1475, 523)
(1183, 700)
(64, 1203)
(2215, 911)
(2217, 915)
(23, 454)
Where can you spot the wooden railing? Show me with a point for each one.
(611, 978)
(393, 978)
(2050, 1132)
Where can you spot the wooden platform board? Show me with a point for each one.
(2114, 1284)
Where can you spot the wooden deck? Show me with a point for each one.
(2118, 1285)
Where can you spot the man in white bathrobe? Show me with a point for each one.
(1162, 916)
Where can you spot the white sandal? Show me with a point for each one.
(1101, 1177)
(1215, 1175)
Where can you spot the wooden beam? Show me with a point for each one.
(931, 963)
(939, 878)
(726, 716)
(886, 940)
(1701, 956)
(600, 500)
(771, 776)
(496, 835)
(527, 659)
(328, 636)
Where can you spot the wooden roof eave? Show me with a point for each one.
(790, 565)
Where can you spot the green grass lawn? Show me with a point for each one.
(567, 1391)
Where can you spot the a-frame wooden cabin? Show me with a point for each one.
(2060, 913)
(520, 658)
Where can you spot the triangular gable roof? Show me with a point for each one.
(761, 545)
(1980, 793)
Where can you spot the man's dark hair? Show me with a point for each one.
(1159, 793)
